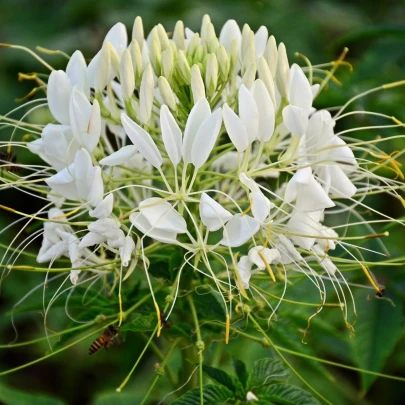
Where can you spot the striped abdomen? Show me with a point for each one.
(98, 344)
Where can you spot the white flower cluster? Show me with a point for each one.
(208, 143)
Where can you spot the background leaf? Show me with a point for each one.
(10, 396)
(286, 394)
(377, 331)
(213, 395)
(267, 371)
(240, 371)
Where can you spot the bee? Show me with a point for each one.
(107, 338)
(164, 321)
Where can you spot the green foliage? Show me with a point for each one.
(379, 329)
(141, 323)
(263, 381)
(10, 396)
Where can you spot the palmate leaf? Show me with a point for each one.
(213, 395)
(267, 371)
(285, 394)
(378, 330)
(223, 378)
(240, 371)
(10, 396)
(141, 323)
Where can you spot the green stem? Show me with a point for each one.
(199, 342)
(162, 366)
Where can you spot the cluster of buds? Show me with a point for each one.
(207, 143)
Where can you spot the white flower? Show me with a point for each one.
(79, 181)
(212, 214)
(308, 193)
(245, 271)
(257, 253)
(126, 250)
(239, 229)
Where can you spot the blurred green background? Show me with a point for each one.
(375, 34)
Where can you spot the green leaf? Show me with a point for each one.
(11, 396)
(208, 306)
(286, 394)
(142, 323)
(267, 371)
(181, 329)
(221, 377)
(114, 399)
(213, 395)
(378, 330)
(240, 371)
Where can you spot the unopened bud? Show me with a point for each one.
(199, 54)
(266, 76)
(249, 76)
(184, 67)
(197, 84)
(156, 56)
(211, 74)
(282, 71)
(146, 96)
(247, 35)
(163, 38)
(192, 45)
(167, 93)
(137, 32)
(206, 21)
(270, 54)
(233, 55)
(223, 62)
(127, 76)
(211, 39)
(167, 62)
(137, 65)
(178, 35)
(104, 70)
(249, 53)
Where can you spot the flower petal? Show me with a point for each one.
(141, 223)
(126, 251)
(212, 214)
(143, 141)
(161, 215)
(295, 119)
(147, 93)
(248, 112)
(171, 134)
(205, 138)
(119, 157)
(103, 208)
(198, 114)
(239, 230)
(59, 89)
(235, 128)
(76, 70)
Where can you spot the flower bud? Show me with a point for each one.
(137, 32)
(248, 37)
(211, 39)
(163, 38)
(178, 35)
(248, 55)
(184, 67)
(192, 45)
(223, 62)
(282, 71)
(249, 76)
(147, 93)
(127, 76)
(266, 76)
(156, 56)
(233, 55)
(211, 74)
(206, 21)
(167, 93)
(103, 71)
(199, 54)
(115, 61)
(167, 62)
(197, 84)
(270, 54)
(137, 65)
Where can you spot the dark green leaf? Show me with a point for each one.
(377, 332)
(142, 323)
(240, 371)
(285, 394)
(181, 329)
(208, 306)
(267, 371)
(213, 395)
(114, 399)
(220, 377)
(10, 396)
